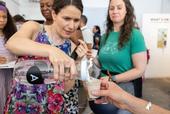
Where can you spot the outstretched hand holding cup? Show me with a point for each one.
(112, 93)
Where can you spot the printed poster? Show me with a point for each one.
(162, 37)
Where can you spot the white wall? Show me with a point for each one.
(166, 4)
(31, 11)
(96, 18)
(95, 3)
(159, 64)
(96, 11)
(13, 6)
(146, 6)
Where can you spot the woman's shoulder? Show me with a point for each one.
(30, 29)
(135, 30)
(32, 25)
(136, 33)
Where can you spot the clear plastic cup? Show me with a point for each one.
(92, 85)
(89, 45)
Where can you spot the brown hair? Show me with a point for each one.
(126, 28)
(60, 4)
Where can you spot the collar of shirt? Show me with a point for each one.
(83, 28)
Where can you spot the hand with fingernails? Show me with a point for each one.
(81, 49)
(60, 65)
(3, 60)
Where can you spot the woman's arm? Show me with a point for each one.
(112, 93)
(139, 106)
(22, 43)
(139, 61)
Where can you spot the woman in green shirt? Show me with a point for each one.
(122, 54)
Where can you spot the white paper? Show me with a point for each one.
(7, 65)
(94, 52)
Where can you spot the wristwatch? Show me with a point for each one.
(114, 78)
(111, 77)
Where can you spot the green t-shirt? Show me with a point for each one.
(120, 60)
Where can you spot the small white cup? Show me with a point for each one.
(92, 85)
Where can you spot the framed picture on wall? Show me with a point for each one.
(162, 37)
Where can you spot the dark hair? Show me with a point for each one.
(58, 5)
(126, 28)
(2, 3)
(10, 27)
(18, 18)
(98, 29)
(84, 19)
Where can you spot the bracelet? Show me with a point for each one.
(148, 106)
(111, 77)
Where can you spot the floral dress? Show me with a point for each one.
(42, 98)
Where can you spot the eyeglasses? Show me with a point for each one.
(2, 3)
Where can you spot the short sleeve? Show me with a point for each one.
(137, 42)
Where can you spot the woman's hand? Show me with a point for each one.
(3, 60)
(64, 66)
(112, 93)
(81, 49)
(105, 79)
(89, 54)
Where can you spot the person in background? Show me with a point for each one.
(86, 32)
(113, 94)
(96, 37)
(19, 20)
(46, 7)
(50, 43)
(7, 29)
(122, 52)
